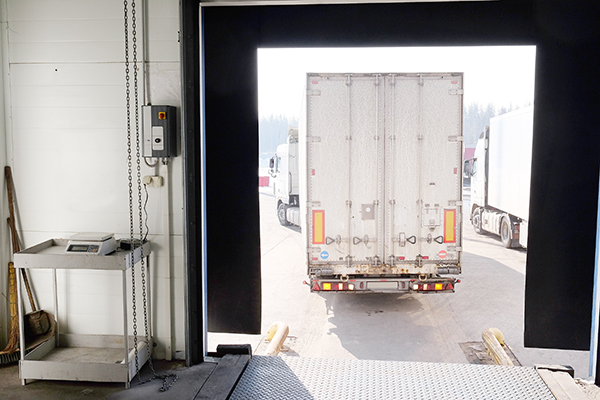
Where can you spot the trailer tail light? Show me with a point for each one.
(318, 226)
(315, 287)
(335, 286)
(449, 226)
(432, 287)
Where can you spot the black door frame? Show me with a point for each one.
(566, 151)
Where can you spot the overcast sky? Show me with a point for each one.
(501, 74)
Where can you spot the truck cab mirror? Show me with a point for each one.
(272, 162)
(467, 169)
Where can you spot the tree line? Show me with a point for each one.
(273, 129)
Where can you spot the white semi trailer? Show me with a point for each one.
(501, 175)
(380, 191)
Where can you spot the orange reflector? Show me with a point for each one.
(318, 225)
(449, 226)
(439, 286)
(326, 286)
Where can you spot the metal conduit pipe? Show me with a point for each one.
(277, 334)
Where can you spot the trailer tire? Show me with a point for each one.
(476, 221)
(281, 214)
(505, 229)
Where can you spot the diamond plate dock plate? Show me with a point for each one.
(321, 379)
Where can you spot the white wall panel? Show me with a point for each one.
(163, 39)
(68, 144)
(70, 96)
(58, 10)
(68, 31)
(61, 52)
(69, 118)
(99, 74)
(160, 9)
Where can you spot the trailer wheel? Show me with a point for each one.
(281, 214)
(505, 230)
(476, 221)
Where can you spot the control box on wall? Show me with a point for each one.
(159, 131)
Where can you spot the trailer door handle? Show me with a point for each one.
(412, 239)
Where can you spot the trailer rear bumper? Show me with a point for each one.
(383, 285)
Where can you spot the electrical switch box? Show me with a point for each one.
(159, 131)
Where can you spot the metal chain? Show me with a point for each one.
(130, 183)
(167, 383)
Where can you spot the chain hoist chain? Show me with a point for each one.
(167, 383)
(130, 182)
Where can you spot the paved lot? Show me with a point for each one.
(398, 327)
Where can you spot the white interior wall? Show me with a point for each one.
(4, 244)
(67, 147)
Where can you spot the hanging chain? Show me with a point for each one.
(167, 383)
(130, 184)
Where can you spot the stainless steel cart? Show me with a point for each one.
(99, 358)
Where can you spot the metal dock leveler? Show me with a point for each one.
(76, 357)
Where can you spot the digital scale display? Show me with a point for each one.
(92, 243)
(83, 248)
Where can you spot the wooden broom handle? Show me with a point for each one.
(15, 235)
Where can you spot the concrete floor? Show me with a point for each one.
(189, 382)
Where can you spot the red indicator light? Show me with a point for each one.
(425, 257)
(162, 115)
(401, 258)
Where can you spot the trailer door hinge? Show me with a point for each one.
(313, 204)
(455, 138)
(456, 91)
(313, 139)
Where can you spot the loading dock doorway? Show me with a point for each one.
(231, 36)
